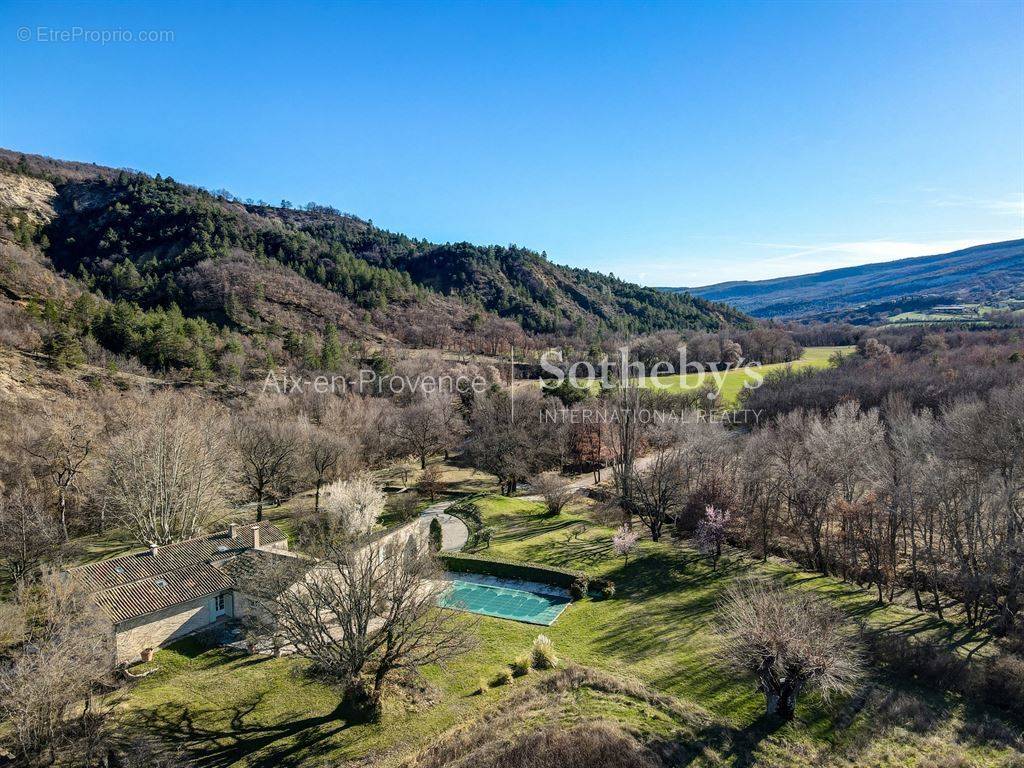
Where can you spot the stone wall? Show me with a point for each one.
(156, 629)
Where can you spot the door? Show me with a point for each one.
(221, 605)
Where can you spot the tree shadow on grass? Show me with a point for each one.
(648, 627)
(734, 747)
(570, 552)
(521, 527)
(217, 738)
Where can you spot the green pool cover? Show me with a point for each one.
(515, 604)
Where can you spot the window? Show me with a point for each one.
(218, 603)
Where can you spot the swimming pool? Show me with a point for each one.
(503, 602)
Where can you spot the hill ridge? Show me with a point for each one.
(155, 241)
(975, 273)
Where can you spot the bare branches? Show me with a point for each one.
(64, 653)
(364, 613)
(64, 447)
(556, 491)
(427, 426)
(656, 492)
(28, 534)
(167, 473)
(790, 640)
(268, 446)
(510, 438)
(327, 455)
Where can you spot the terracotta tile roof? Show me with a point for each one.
(255, 569)
(128, 601)
(136, 584)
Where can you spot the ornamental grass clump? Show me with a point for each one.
(543, 654)
(521, 665)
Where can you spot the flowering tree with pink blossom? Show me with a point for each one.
(623, 541)
(711, 534)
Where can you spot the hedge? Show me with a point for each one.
(458, 562)
(469, 513)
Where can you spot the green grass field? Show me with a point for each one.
(227, 709)
(975, 314)
(733, 381)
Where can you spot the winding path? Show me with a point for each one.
(454, 532)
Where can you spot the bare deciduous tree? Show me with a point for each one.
(28, 534)
(791, 641)
(626, 436)
(556, 491)
(364, 614)
(430, 482)
(326, 455)
(510, 438)
(167, 473)
(656, 492)
(268, 446)
(63, 655)
(63, 446)
(427, 426)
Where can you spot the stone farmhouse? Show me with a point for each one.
(161, 594)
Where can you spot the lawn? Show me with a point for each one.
(230, 709)
(734, 380)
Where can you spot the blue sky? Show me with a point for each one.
(672, 144)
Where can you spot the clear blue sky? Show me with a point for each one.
(673, 144)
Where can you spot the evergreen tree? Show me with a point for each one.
(330, 353)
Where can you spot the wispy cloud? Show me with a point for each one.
(1011, 205)
(762, 260)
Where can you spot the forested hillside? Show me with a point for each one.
(160, 258)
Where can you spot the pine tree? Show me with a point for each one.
(330, 353)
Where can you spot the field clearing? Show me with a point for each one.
(733, 381)
(973, 314)
(229, 709)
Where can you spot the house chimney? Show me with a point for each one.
(255, 535)
(154, 548)
(233, 530)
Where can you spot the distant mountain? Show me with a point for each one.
(973, 274)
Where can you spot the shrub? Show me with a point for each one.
(435, 535)
(405, 506)
(469, 513)
(483, 686)
(604, 587)
(1004, 683)
(544, 653)
(579, 588)
(505, 677)
(521, 665)
(556, 491)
